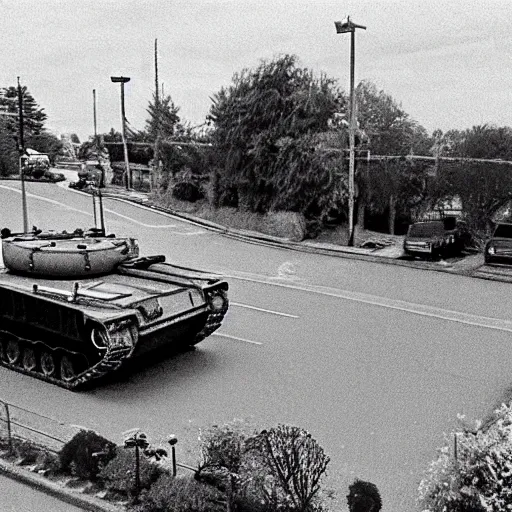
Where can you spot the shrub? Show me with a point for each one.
(170, 494)
(27, 451)
(85, 454)
(295, 463)
(479, 476)
(187, 191)
(119, 474)
(363, 497)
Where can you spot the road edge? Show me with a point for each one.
(67, 495)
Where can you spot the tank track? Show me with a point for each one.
(120, 348)
(214, 320)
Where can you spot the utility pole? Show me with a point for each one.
(21, 149)
(94, 109)
(122, 80)
(156, 149)
(342, 27)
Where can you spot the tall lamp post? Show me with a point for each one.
(122, 80)
(342, 27)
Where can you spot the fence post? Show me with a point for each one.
(9, 433)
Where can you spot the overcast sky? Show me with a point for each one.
(448, 62)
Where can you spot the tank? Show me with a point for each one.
(69, 320)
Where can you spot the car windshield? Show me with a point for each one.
(503, 231)
(426, 229)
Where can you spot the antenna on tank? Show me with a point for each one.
(99, 218)
(21, 149)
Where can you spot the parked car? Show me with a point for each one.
(435, 238)
(499, 248)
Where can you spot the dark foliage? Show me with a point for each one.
(119, 474)
(9, 155)
(85, 454)
(46, 142)
(363, 497)
(34, 116)
(264, 133)
(163, 118)
(187, 191)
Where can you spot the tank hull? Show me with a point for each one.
(71, 332)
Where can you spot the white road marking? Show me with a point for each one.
(138, 222)
(47, 200)
(261, 309)
(89, 214)
(236, 338)
(400, 305)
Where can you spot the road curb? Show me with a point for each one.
(262, 239)
(70, 496)
(281, 243)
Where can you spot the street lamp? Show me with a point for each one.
(172, 441)
(342, 27)
(122, 80)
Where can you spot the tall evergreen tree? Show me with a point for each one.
(34, 116)
(8, 150)
(163, 117)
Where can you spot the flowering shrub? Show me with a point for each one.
(477, 474)
(119, 474)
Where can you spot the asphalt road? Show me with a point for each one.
(18, 497)
(375, 360)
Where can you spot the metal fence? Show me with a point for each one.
(20, 423)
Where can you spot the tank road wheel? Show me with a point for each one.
(13, 352)
(67, 368)
(29, 360)
(48, 366)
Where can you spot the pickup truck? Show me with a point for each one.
(499, 248)
(435, 238)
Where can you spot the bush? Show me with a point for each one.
(295, 463)
(85, 454)
(479, 477)
(119, 474)
(187, 191)
(27, 451)
(363, 497)
(170, 494)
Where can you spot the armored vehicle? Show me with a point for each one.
(75, 306)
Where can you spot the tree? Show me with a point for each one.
(264, 129)
(390, 131)
(112, 136)
(223, 457)
(389, 128)
(295, 461)
(34, 116)
(163, 118)
(9, 163)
